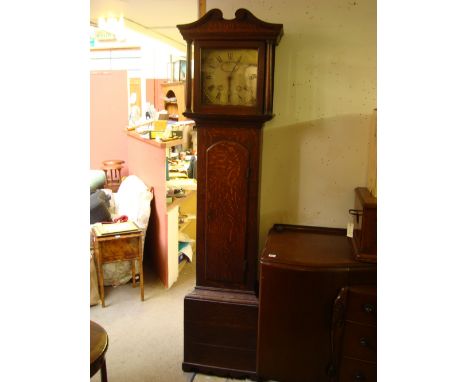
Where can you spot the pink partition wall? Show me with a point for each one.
(148, 161)
(108, 117)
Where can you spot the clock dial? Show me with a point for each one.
(229, 76)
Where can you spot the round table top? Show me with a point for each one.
(113, 162)
(113, 167)
(98, 341)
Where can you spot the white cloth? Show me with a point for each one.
(132, 199)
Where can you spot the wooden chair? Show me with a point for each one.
(113, 168)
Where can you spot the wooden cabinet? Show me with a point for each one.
(354, 334)
(365, 225)
(302, 270)
(174, 99)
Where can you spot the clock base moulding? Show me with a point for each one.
(220, 333)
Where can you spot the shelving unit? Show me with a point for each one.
(181, 206)
(148, 122)
(189, 219)
(174, 90)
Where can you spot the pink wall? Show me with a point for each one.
(108, 117)
(148, 162)
(110, 140)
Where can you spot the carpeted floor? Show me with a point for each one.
(145, 338)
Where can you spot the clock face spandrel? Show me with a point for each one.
(229, 76)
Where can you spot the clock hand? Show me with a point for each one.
(229, 88)
(235, 66)
(229, 78)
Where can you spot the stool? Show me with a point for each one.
(112, 169)
(99, 342)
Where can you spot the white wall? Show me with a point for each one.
(315, 150)
(149, 62)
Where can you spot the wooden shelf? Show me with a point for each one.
(178, 201)
(153, 142)
(166, 84)
(187, 222)
(147, 122)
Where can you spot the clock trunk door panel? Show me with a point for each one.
(227, 201)
(226, 212)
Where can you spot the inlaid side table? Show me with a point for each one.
(118, 247)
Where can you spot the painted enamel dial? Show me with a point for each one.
(229, 76)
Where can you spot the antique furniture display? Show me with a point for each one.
(230, 100)
(302, 270)
(121, 246)
(365, 225)
(354, 334)
(99, 342)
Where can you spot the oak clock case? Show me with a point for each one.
(231, 98)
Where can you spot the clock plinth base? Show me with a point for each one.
(220, 333)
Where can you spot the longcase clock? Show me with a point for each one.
(230, 99)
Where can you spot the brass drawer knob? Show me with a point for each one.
(363, 342)
(356, 213)
(368, 308)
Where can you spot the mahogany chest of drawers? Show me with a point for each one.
(354, 334)
(302, 270)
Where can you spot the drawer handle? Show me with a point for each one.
(368, 308)
(356, 213)
(363, 342)
(359, 377)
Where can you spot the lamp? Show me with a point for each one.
(113, 25)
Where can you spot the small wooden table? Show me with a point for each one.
(118, 247)
(99, 341)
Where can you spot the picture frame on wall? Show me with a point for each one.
(180, 70)
(170, 71)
